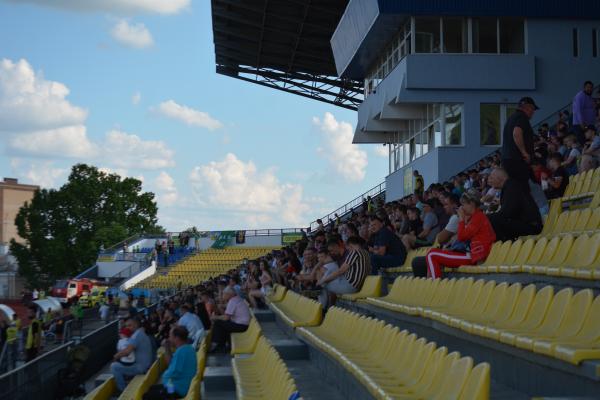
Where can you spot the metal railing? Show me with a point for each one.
(351, 205)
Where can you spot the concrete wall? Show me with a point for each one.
(109, 269)
(548, 72)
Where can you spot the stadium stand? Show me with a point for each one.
(202, 266)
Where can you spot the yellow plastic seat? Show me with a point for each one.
(544, 312)
(529, 303)
(245, 342)
(371, 288)
(559, 256)
(585, 259)
(521, 257)
(104, 391)
(573, 258)
(504, 310)
(510, 257)
(478, 384)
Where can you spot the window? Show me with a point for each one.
(594, 43)
(575, 42)
(455, 35)
(485, 35)
(427, 35)
(512, 35)
(453, 124)
(490, 124)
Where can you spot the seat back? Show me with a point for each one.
(594, 222)
(590, 331)
(584, 217)
(455, 379)
(571, 221)
(577, 251)
(576, 313)
(524, 252)
(561, 221)
(556, 312)
(538, 307)
(538, 252)
(513, 252)
(504, 308)
(478, 383)
(562, 251)
(494, 252)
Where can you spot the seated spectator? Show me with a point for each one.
(182, 367)
(519, 214)
(266, 281)
(140, 345)
(191, 322)
(587, 163)
(592, 144)
(430, 229)
(556, 182)
(235, 319)
(415, 225)
(570, 161)
(350, 276)
(475, 234)
(446, 237)
(388, 250)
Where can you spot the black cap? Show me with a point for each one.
(528, 100)
(590, 128)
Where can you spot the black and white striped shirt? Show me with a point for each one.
(360, 266)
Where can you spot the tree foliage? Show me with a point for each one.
(63, 229)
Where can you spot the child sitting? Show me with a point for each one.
(122, 344)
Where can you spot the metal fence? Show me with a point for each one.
(351, 205)
(38, 379)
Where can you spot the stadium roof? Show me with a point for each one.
(283, 44)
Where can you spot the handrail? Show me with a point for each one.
(348, 207)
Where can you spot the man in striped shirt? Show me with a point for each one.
(350, 276)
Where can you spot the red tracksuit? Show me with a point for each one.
(481, 235)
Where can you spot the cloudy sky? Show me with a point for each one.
(130, 86)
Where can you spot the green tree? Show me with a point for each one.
(64, 229)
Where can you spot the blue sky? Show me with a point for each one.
(130, 86)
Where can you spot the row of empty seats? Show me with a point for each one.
(394, 364)
(564, 256)
(296, 310)
(262, 375)
(562, 325)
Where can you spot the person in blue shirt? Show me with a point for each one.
(182, 367)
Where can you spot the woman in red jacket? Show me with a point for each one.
(474, 230)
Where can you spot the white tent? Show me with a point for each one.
(6, 312)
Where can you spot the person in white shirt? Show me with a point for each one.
(191, 321)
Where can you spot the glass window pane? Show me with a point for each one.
(453, 124)
(485, 35)
(427, 31)
(438, 134)
(455, 35)
(512, 35)
(490, 124)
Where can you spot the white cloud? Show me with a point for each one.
(28, 102)
(44, 174)
(166, 189)
(127, 7)
(124, 150)
(187, 115)
(70, 141)
(132, 35)
(232, 184)
(135, 99)
(381, 151)
(347, 159)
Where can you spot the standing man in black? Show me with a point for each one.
(517, 144)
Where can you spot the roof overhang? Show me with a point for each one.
(283, 44)
(367, 26)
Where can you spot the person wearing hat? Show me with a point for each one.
(517, 143)
(592, 142)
